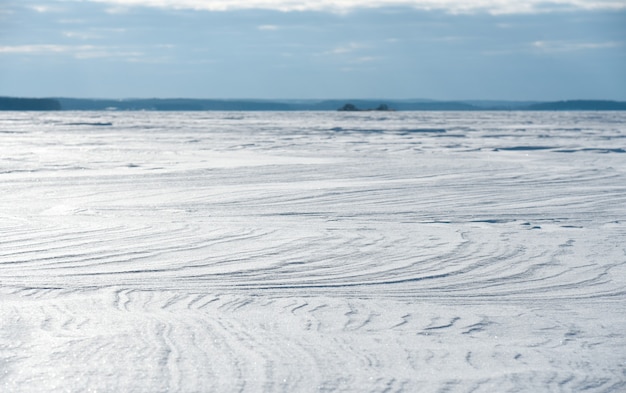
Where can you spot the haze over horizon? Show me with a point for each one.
(530, 50)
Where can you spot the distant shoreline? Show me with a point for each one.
(185, 104)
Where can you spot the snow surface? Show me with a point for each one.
(301, 252)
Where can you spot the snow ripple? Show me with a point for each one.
(312, 251)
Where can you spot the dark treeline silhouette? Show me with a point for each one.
(187, 104)
(579, 105)
(29, 104)
(173, 104)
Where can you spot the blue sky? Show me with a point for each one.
(439, 49)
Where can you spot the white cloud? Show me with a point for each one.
(349, 48)
(76, 51)
(79, 35)
(117, 10)
(268, 27)
(40, 49)
(568, 46)
(453, 6)
(41, 8)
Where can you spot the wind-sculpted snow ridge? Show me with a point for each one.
(322, 251)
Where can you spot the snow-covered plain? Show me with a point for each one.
(301, 252)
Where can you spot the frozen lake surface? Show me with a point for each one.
(305, 252)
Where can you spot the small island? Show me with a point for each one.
(352, 108)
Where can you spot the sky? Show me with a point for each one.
(314, 49)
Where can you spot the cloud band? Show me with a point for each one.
(453, 6)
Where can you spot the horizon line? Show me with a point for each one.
(310, 99)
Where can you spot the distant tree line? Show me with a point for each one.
(183, 104)
(579, 105)
(29, 104)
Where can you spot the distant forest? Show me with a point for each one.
(183, 104)
(29, 104)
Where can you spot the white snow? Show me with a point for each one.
(313, 251)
